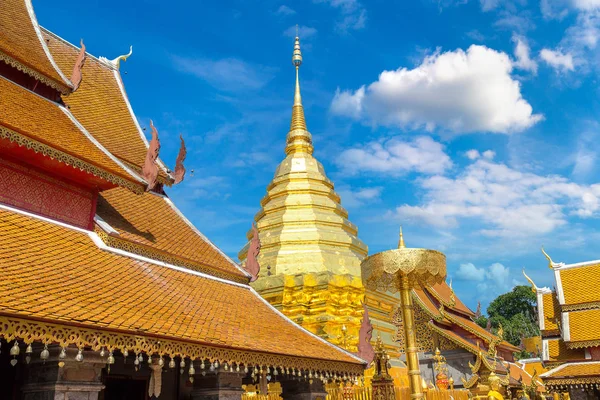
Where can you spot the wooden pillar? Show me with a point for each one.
(79, 380)
(223, 385)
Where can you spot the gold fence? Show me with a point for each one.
(400, 393)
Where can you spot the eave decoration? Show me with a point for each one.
(179, 173)
(163, 350)
(150, 169)
(252, 266)
(365, 333)
(76, 76)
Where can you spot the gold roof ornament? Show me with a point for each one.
(534, 288)
(550, 262)
(401, 244)
(117, 61)
(298, 139)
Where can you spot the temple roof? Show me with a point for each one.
(47, 127)
(152, 221)
(573, 373)
(101, 105)
(23, 47)
(549, 313)
(84, 283)
(582, 327)
(556, 351)
(455, 313)
(570, 288)
(302, 225)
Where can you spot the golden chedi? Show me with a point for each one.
(310, 255)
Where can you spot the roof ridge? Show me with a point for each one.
(117, 77)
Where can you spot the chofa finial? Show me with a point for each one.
(550, 262)
(117, 61)
(533, 286)
(401, 244)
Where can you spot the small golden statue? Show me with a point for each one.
(494, 382)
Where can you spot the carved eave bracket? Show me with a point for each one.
(252, 266)
(365, 333)
(150, 168)
(179, 173)
(76, 76)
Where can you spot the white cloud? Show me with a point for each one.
(229, 74)
(489, 154)
(304, 32)
(470, 272)
(473, 154)
(487, 5)
(503, 201)
(457, 91)
(554, 9)
(522, 51)
(492, 280)
(353, 198)
(285, 10)
(558, 60)
(396, 157)
(353, 14)
(586, 5)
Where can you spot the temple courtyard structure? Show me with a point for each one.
(108, 291)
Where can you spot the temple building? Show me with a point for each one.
(311, 257)
(107, 291)
(568, 317)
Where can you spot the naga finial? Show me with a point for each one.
(533, 286)
(551, 263)
(252, 265)
(150, 168)
(77, 76)
(179, 173)
(452, 296)
(117, 61)
(365, 333)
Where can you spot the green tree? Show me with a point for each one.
(515, 311)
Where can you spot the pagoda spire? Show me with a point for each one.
(401, 244)
(298, 138)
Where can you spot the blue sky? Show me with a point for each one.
(471, 123)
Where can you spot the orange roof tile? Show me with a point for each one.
(21, 41)
(576, 283)
(101, 104)
(551, 311)
(558, 352)
(583, 325)
(457, 339)
(533, 366)
(80, 283)
(48, 123)
(152, 220)
(442, 292)
(574, 370)
(459, 319)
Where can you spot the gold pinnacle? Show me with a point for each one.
(401, 244)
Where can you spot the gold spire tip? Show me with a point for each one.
(401, 244)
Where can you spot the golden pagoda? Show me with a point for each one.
(311, 254)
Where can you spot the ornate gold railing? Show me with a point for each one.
(400, 393)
